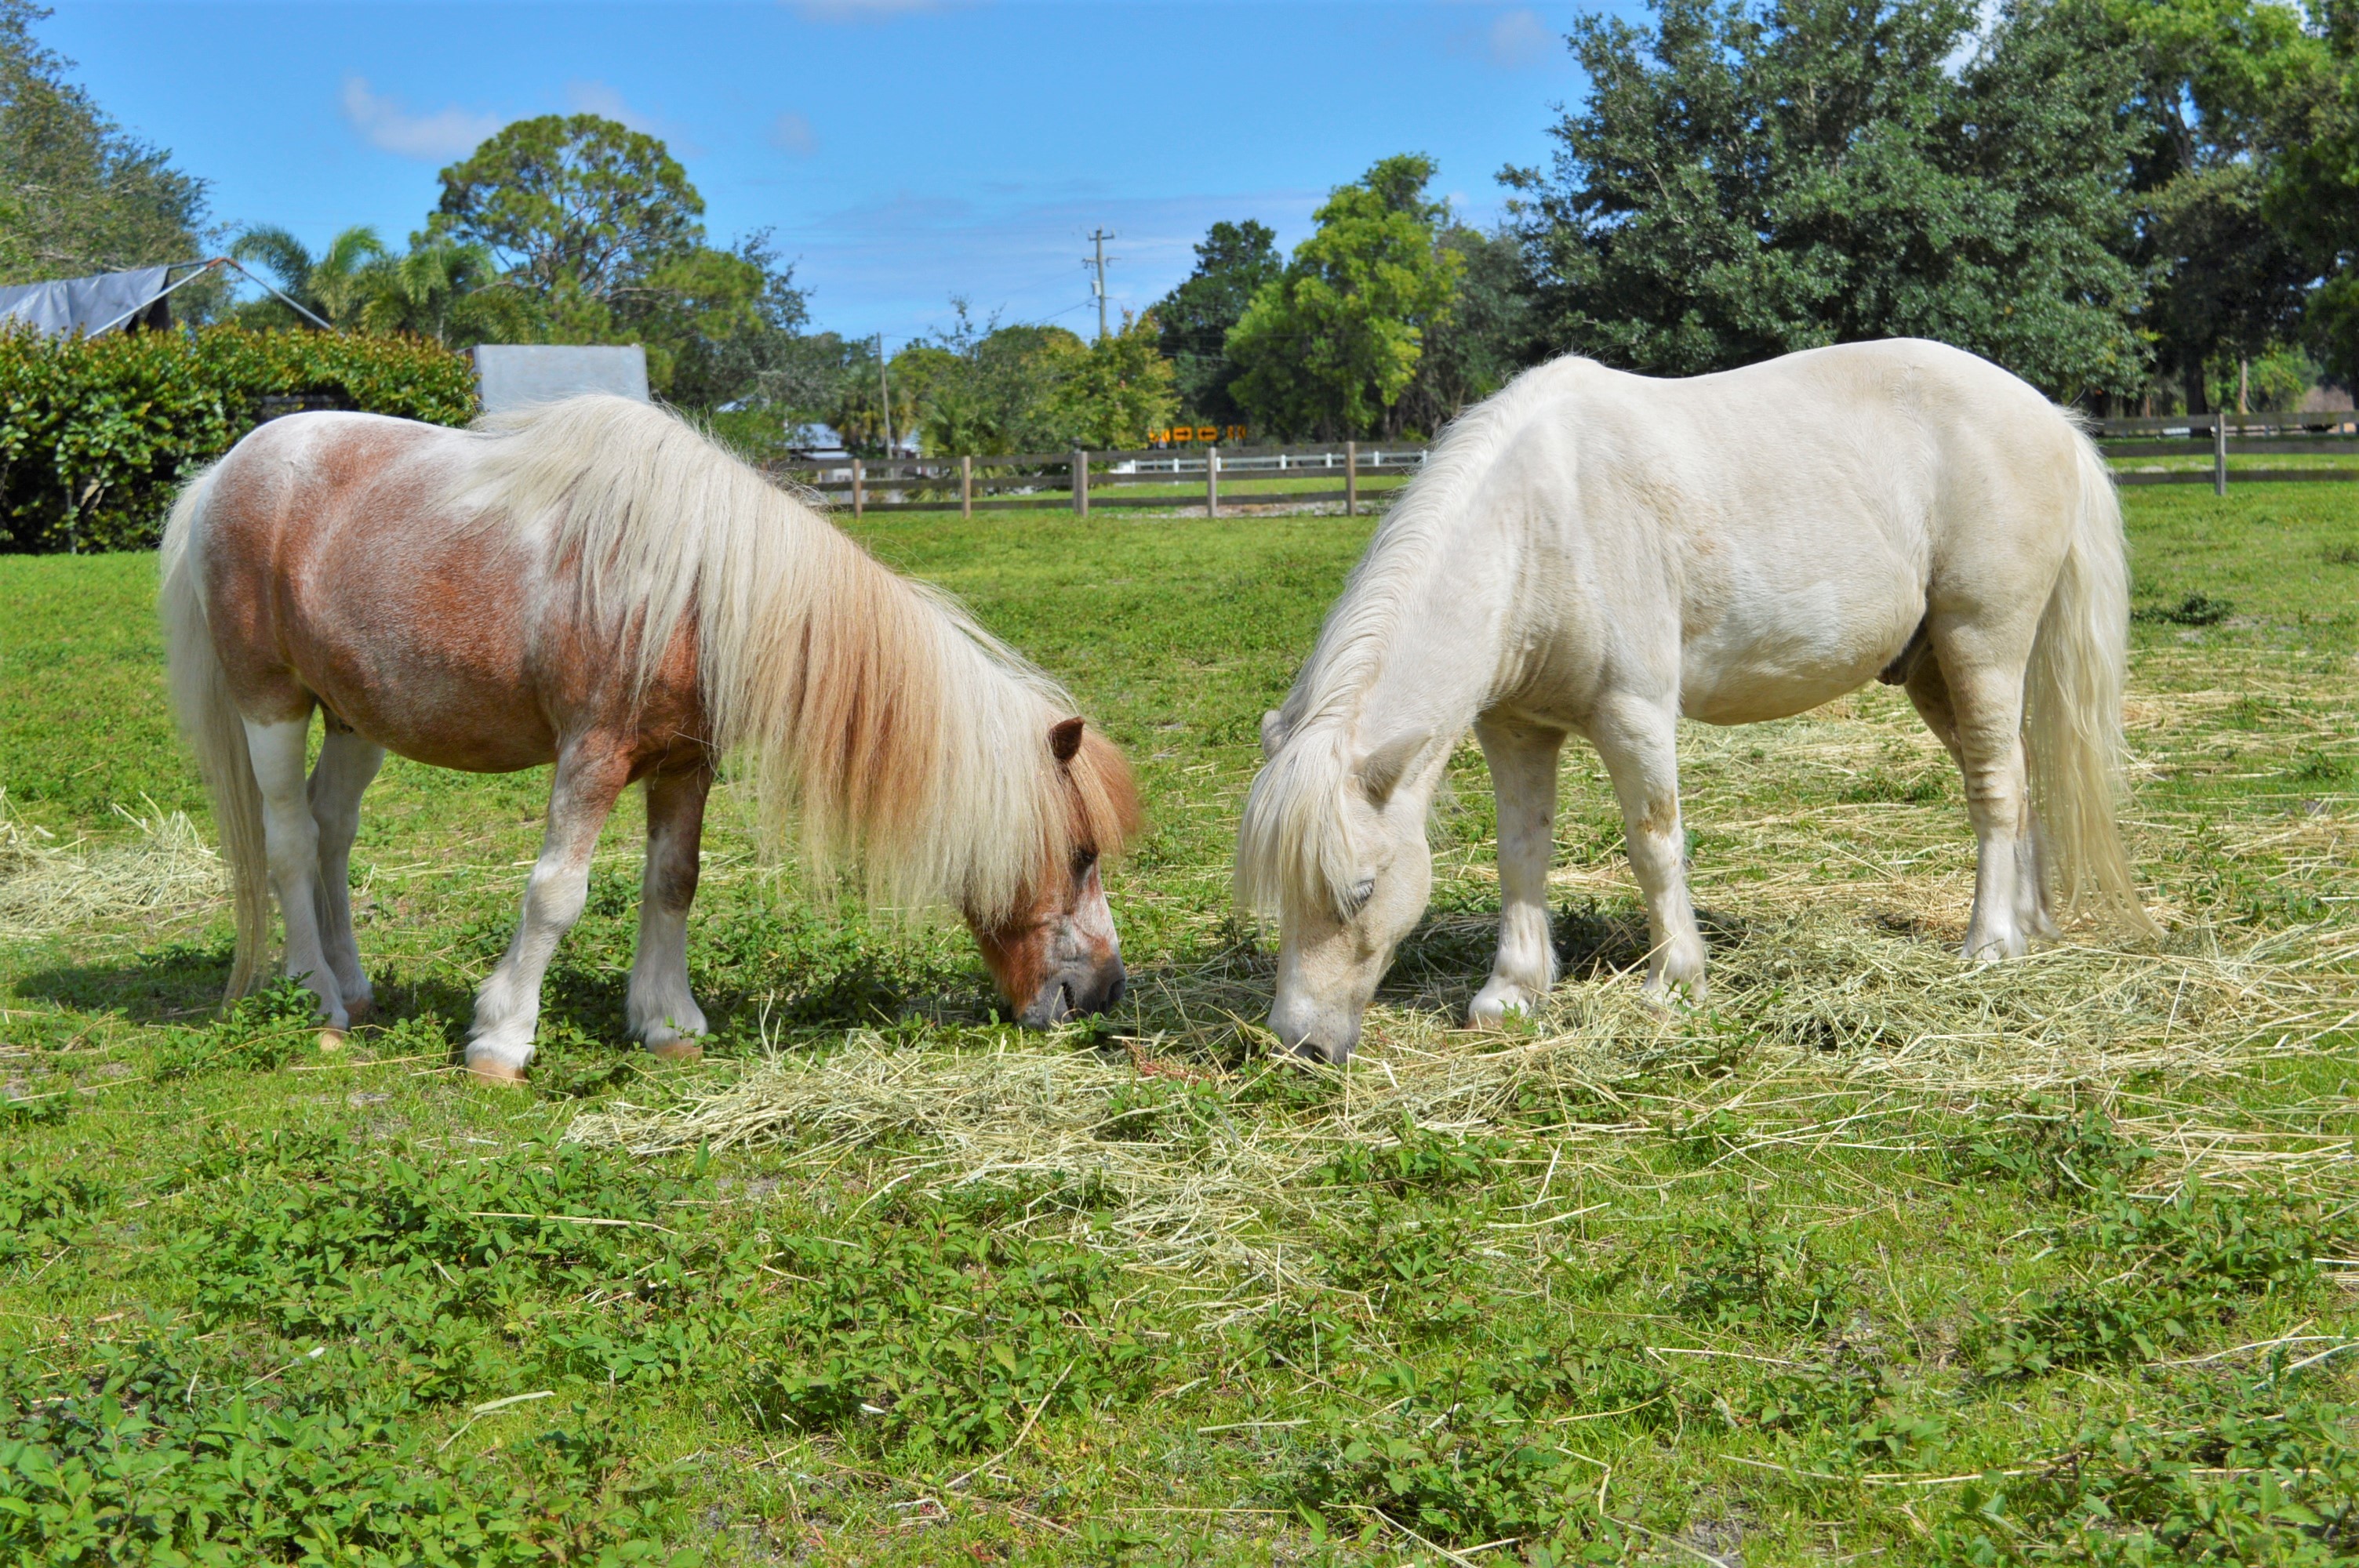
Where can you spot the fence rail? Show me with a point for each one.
(1210, 477)
(1215, 476)
(2219, 436)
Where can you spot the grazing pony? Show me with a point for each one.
(596, 584)
(1596, 553)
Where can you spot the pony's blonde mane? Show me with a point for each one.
(869, 712)
(1296, 839)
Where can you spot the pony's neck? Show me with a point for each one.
(1438, 652)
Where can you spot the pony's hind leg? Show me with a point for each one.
(1523, 775)
(1929, 691)
(507, 1004)
(291, 842)
(346, 764)
(1986, 704)
(661, 1010)
(1638, 740)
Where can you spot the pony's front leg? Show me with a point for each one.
(1523, 777)
(1639, 742)
(291, 842)
(661, 1010)
(507, 1005)
(346, 764)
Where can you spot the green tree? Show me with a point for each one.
(602, 225)
(1746, 181)
(726, 323)
(857, 408)
(1122, 389)
(1483, 340)
(79, 194)
(1327, 348)
(452, 293)
(576, 203)
(1234, 261)
(2314, 187)
(334, 285)
(2220, 84)
(989, 389)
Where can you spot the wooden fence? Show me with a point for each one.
(1209, 477)
(1356, 473)
(2219, 436)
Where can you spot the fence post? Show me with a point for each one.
(1351, 478)
(966, 486)
(1080, 481)
(1212, 482)
(2219, 454)
(859, 489)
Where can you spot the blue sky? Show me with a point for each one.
(903, 150)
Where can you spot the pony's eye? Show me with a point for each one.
(1083, 860)
(1356, 898)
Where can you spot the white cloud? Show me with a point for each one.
(384, 122)
(598, 98)
(860, 10)
(792, 132)
(1518, 37)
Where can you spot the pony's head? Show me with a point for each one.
(1334, 843)
(1054, 953)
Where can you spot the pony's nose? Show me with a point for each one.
(1103, 993)
(1076, 994)
(1313, 1032)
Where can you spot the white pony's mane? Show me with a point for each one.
(1296, 839)
(869, 711)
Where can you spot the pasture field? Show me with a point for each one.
(1873, 1258)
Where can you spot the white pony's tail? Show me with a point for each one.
(2072, 708)
(209, 722)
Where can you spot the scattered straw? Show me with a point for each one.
(164, 870)
(1826, 1033)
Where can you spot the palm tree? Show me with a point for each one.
(336, 285)
(452, 292)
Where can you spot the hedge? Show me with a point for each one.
(97, 433)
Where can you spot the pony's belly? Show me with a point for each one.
(1776, 678)
(467, 749)
(1757, 701)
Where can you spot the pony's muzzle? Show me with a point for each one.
(1075, 991)
(1314, 1034)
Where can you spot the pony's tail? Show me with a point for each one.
(2072, 709)
(209, 722)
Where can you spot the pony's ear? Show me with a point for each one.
(1381, 771)
(1065, 739)
(1273, 733)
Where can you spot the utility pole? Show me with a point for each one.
(1098, 238)
(884, 393)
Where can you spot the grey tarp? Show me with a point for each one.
(88, 304)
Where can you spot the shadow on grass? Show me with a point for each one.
(178, 984)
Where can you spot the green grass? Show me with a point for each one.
(1709, 1299)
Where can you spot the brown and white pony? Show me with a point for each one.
(594, 584)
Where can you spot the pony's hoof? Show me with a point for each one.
(497, 1072)
(1497, 1004)
(331, 1038)
(676, 1051)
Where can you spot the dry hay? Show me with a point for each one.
(163, 870)
(1841, 1017)
(1824, 1031)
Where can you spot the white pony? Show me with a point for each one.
(1596, 553)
